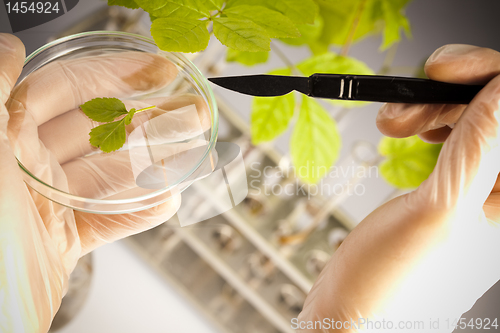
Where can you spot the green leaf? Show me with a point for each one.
(214, 4)
(271, 116)
(109, 137)
(104, 109)
(281, 71)
(394, 21)
(408, 162)
(180, 35)
(275, 23)
(317, 47)
(299, 11)
(241, 34)
(308, 32)
(125, 3)
(315, 143)
(193, 9)
(246, 58)
(376, 16)
(332, 63)
(338, 16)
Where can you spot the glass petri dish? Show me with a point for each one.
(167, 147)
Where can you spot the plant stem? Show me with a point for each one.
(215, 15)
(352, 31)
(149, 107)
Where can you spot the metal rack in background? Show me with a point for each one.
(249, 269)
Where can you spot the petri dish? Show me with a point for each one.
(167, 147)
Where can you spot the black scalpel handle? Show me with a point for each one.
(389, 89)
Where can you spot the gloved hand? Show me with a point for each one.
(427, 256)
(40, 124)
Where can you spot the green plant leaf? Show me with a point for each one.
(180, 35)
(299, 11)
(129, 116)
(125, 3)
(193, 9)
(109, 137)
(271, 116)
(104, 109)
(281, 71)
(246, 58)
(332, 63)
(308, 33)
(241, 34)
(408, 162)
(338, 16)
(214, 4)
(315, 143)
(394, 21)
(317, 47)
(275, 23)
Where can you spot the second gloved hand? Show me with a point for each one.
(430, 254)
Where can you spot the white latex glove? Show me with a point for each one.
(40, 241)
(430, 254)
